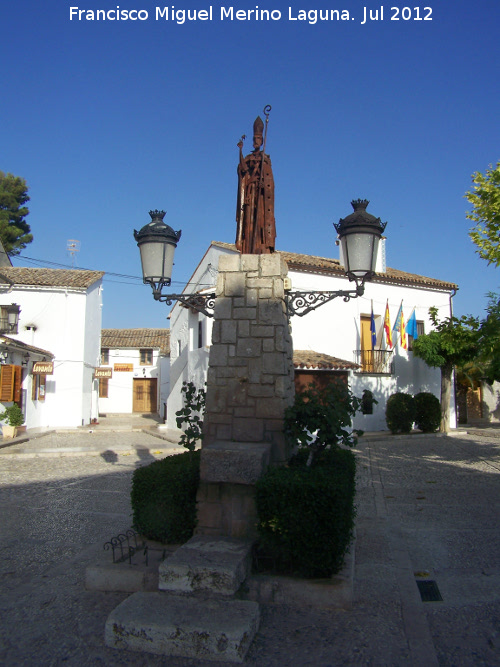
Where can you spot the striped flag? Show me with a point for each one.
(399, 328)
(397, 324)
(404, 337)
(387, 326)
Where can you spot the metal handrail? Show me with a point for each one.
(375, 361)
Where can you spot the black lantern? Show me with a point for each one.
(157, 242)
(360, 234)
(10, 322)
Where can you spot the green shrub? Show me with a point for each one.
(164, 498)
(427, 412)
(191, 415)
(400, 413)
(321, 417)
(306, 513)
(13, 415)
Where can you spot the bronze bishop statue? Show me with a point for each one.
(256, 227)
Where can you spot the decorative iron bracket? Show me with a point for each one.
(203, 303)
(301, 303)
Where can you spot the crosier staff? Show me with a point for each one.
(266, 112)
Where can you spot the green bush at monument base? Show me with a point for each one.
(306, 513)
(164, 498)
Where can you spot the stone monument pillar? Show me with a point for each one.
(249, 385)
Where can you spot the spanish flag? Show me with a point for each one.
(387, 326)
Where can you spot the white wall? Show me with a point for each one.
(120, 386)
(491, 402)
(92, 351)
(29, 407)
(188, 363)
(68, 324)
(333, 329)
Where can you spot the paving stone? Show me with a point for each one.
(172, 625)
(49, 535)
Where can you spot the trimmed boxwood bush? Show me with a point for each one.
(164, 498)
(400, 413)
(427, 412)
(306, 513)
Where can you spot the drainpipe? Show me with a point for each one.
(452, 294)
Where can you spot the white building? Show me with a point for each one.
(134, 371)
(59, 322)
(335, 338)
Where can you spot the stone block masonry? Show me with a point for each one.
(249, 386)
(251, 357)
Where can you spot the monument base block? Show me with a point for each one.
(166, 624)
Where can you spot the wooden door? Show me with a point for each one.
(145, 395)
(366, 345)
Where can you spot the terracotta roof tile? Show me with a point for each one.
(35, 277)
(24, 346)
(309, 359)
(136, 338)
(316, 264)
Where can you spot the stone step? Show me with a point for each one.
(174, 625)
(217, 565)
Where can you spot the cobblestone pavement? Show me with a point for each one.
(425, 504)
(444, 494)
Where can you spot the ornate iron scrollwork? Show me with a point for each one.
(301, 303)
(202, 303)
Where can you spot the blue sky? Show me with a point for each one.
(109, 119)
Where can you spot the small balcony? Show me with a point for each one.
(375, 361)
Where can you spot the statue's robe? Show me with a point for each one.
(256, 226)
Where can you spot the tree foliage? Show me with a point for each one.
(191, 415)
(487, 362)
(485, 199)
(14, 230)
(322, 416)
(453, 342)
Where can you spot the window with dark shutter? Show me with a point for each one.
(146, 357)
(7, 378)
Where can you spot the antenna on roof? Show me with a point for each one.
(73, 246)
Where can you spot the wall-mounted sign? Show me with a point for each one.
(103, 372)
(43, 368)
(123, 368)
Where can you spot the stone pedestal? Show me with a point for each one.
(249, 386)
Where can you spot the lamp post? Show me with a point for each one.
(157, 243)
(359, 236)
